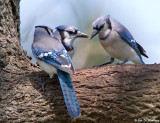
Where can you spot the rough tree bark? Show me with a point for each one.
(127, 93)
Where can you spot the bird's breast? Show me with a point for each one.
(116, 47)
(47, 68)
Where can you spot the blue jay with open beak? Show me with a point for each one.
(66, 35)
(53, 58)
(117, 41)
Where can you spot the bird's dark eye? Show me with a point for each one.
(70, 32)
(101, 26)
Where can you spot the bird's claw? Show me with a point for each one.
(42, 82)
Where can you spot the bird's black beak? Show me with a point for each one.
(94, 33)
(82, 35)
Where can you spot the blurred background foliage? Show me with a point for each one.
(139, 17)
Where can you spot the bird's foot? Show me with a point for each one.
(42, 82)
(103, 64)
(119, 63)
(100, 65)
(110, 62)
(122, 62)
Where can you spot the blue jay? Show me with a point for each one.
(53, 57)
(66, 35)
(117, 41)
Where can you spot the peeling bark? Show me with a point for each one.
(117, 93)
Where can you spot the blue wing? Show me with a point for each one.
(59, 59)
(69, 94)
(128, 38)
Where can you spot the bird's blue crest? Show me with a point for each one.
(64, 27)
(43, 26)
(100, 19)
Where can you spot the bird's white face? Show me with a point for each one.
(69, 34)
(104, 28)
(101, 25)
(68, 38)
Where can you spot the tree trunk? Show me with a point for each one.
(126, 93)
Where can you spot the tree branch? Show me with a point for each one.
(118, 93)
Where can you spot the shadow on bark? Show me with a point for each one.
(53, 95)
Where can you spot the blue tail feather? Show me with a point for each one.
(69, 94)
(141, 60)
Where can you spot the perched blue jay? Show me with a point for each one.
(67, 34)
(117, 41)
(53, 57)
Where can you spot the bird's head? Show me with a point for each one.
(45, 29)
(101, 25)
(70, 32)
